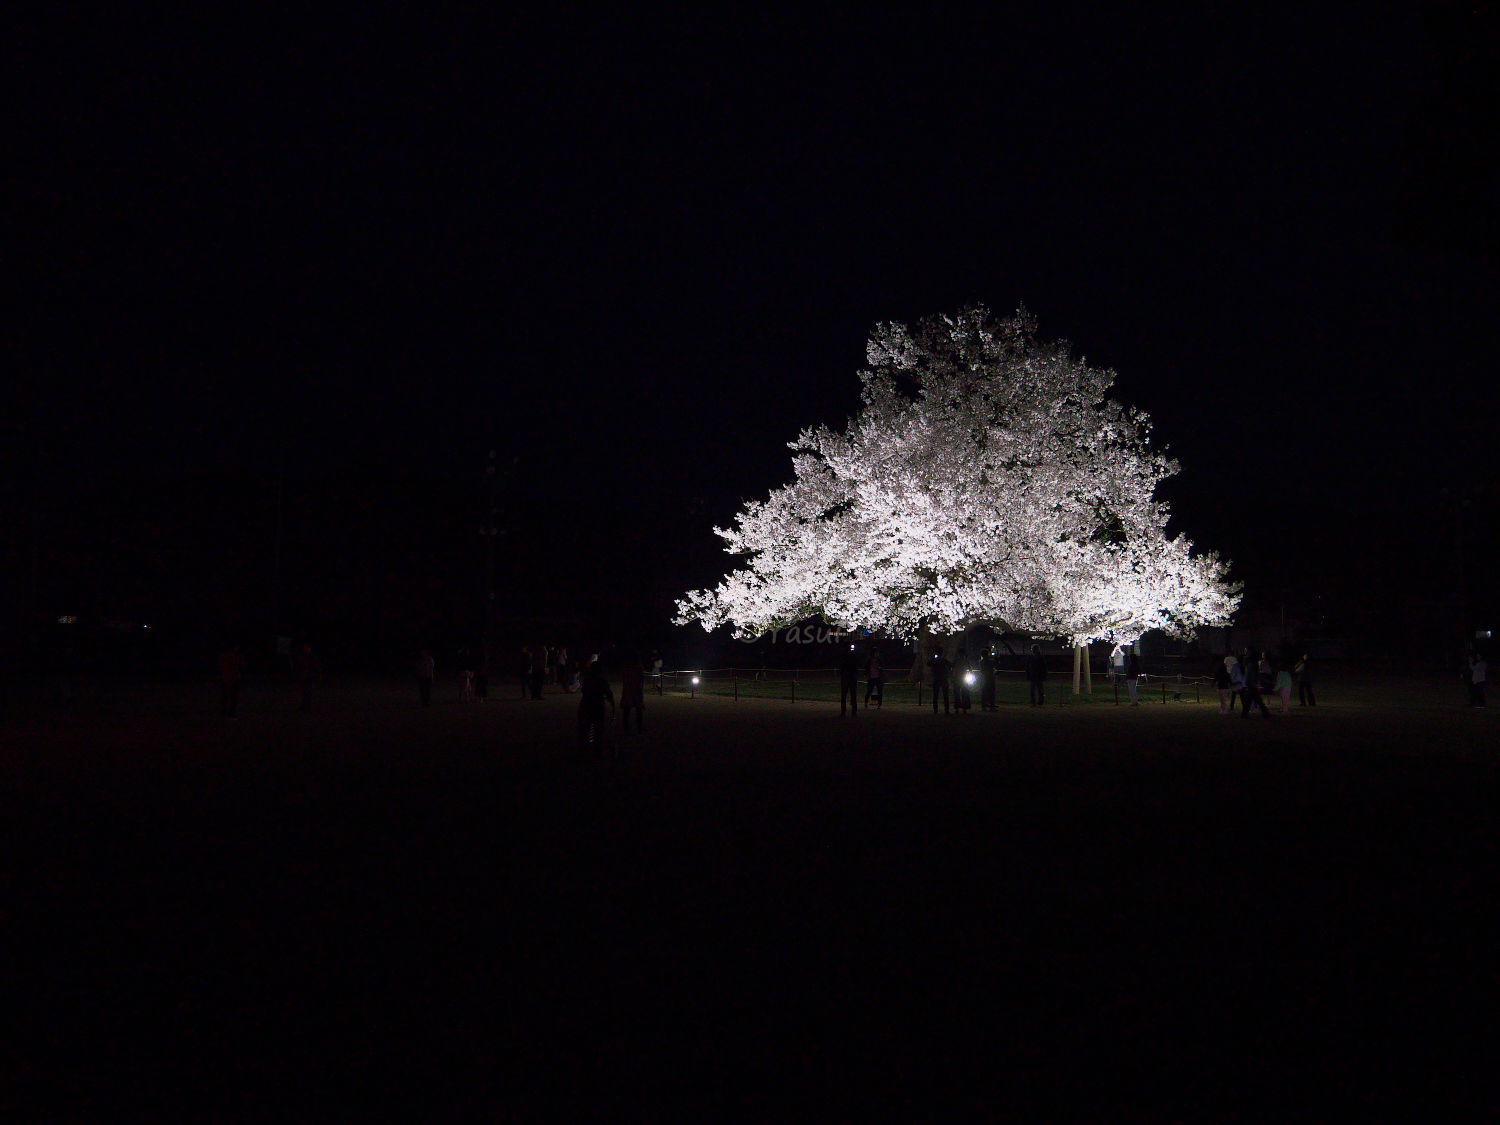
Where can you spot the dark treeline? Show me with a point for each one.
(371, 563)
(367, 564)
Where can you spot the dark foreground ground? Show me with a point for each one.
(1158, 913)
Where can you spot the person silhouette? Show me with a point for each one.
(963, 677)
(848, 682)
(1036, 676)
(632, 693)
(1250, 695)
(1303, 674)
(988, 669)
(594, 693)
(874, 680)
(942, 671)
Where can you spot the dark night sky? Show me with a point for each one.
(637, 257)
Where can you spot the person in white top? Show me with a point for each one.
(1478, 671)
(1116, 664)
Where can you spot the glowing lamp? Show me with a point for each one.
(969, 678)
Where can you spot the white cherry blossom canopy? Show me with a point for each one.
(987, 479)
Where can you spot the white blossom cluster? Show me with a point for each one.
(988, 478)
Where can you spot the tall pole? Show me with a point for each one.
(488, 529)
(276, 566)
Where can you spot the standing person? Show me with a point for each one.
(1133, 675)
(560, 661)
(1479, 671)
(1264, 672)
(538, 670)
(595, 693)
(632, 693)
(874, 680)
(848, 682)
(987, 671)
(1236, 678)
(1284, 687)
(1250, 695)
(941, 669)
(963, 676)
(1036, 676)
(307, 675)
(231, 671)
(1305, 695)
(1116, 665)
(426, 670)
(1224, 685)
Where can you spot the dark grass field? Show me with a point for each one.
(761, 909)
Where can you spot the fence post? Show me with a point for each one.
(1116, 681)
(919, 693)
(736, 677)
(794, 684)
(1197, 698)
(1164, 691)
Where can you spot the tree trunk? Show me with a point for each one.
(922, 646)
(927, 640)
(1077, 664)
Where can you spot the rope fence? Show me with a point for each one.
(821, 685)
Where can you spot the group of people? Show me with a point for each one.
(473, 683)
(961, 677)
(545, 664)
(1250, 678)
(548, 664)
(952, 681)
(305, 666)
(849, 669)
(1244, 677)
(596, 703)
(1125, 667)
(1243, 681)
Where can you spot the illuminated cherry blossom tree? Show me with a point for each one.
(989, 479)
